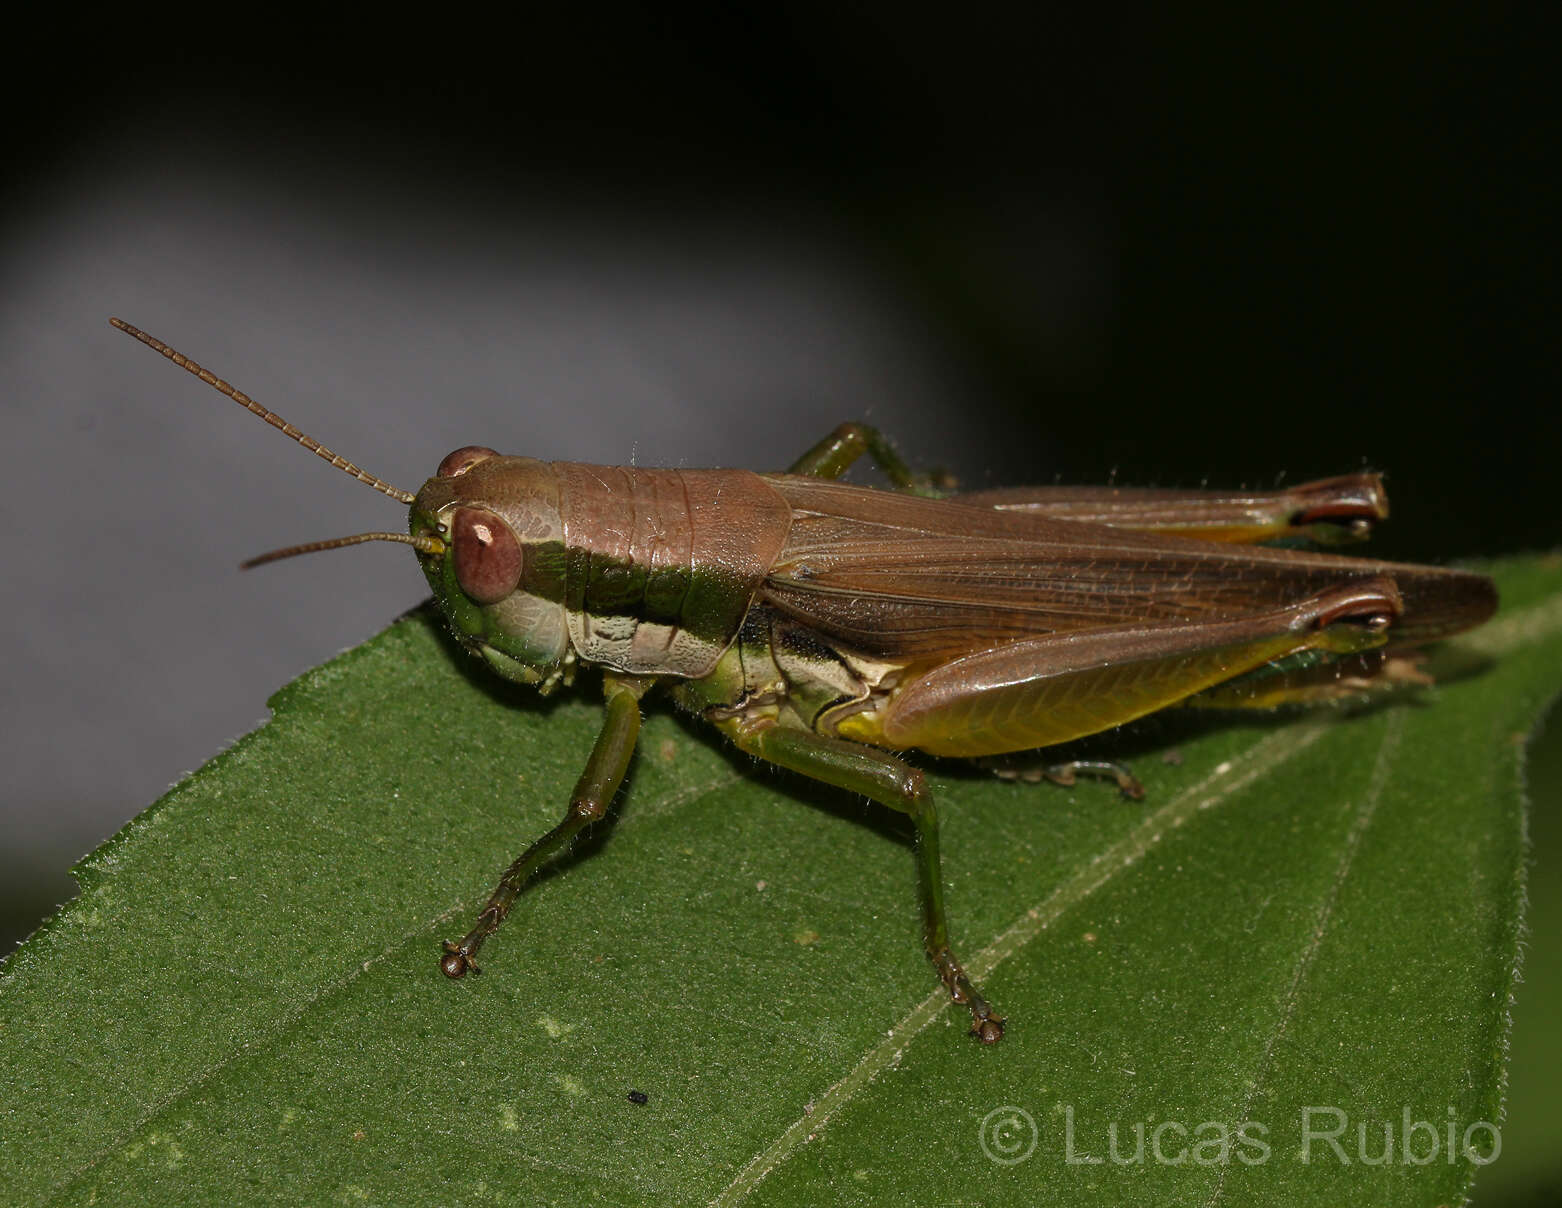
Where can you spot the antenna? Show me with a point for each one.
(276, 421)
(426, 545)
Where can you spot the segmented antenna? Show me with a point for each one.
(427, 545)
(276, 421)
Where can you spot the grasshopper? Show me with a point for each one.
(825, 628)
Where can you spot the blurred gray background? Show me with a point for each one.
(394, 328)
(1066, 248)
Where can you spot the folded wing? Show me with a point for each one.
(900, 577)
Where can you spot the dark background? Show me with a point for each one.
(1172, 250)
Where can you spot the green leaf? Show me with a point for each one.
(1316, 912)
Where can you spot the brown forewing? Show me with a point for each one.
(898, 576)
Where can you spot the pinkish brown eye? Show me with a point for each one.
(488, 557)
(462, 460)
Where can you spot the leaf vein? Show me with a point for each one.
(1393, 729)
(1227, 779)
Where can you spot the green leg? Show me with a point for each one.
(834, 455)
(891, 782)
(605, 769)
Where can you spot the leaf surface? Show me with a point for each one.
(1311, 922)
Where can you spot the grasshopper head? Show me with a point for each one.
(488, 536)
(492, 547)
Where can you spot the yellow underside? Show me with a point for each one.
(1061, 707)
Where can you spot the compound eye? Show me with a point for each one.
(488, 557)
(462, 460)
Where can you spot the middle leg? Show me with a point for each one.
(892, 782)
(834, 455)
